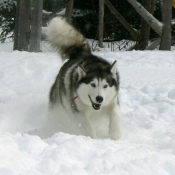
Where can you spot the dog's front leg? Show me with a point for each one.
(114, 124)
(91, 130)
(84, 121)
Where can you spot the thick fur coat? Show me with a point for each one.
(84, 97)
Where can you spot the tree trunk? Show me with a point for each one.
(166, 18)
(149, 5)
(133, 32)
(21, 25)
(36, 22)
(101, 22)
(153, 22)
(69, 11)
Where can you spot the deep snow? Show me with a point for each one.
(147, 97)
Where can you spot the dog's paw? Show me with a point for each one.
(114, 135)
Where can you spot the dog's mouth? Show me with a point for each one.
(95, 105)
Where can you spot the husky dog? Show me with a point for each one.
(84, 96)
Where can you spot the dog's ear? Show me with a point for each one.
(81, 71)
(114, 67)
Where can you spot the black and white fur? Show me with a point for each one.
(84, 97)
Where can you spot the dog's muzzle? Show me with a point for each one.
(95, 105)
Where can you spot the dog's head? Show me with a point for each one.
(98, 88)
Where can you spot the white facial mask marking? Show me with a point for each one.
(88, 93)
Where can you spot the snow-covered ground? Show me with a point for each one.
(147, 97)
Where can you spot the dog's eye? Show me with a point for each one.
(93, 84)
(105, 86)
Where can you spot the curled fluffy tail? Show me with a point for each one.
(66, 39)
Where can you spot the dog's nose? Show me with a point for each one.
(99, 99)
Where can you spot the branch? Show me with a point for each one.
(149, 18)
(154, 44)
(133, 32)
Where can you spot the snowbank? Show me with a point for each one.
(147, 97)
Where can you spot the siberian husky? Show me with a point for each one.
(84, 97)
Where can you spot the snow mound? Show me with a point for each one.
(171, 94)
(147, 98)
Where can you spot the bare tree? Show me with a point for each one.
(21, 25)
(36, 22)
(101, 22)
(166, 18)
(28, 32)
(148, 20)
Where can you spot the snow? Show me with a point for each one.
(147, 98)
